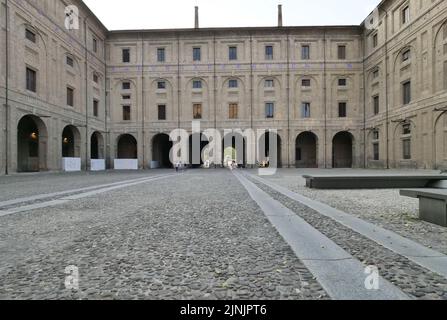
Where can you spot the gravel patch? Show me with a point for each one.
(385, 208)
(197, 236)
(410, 277)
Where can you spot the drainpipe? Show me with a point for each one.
(364, 102)
(251, 82)
(386, 93)
(215, 81)
(288, 98)
(86, 94)
(7, 90)
(142, 100)
(325, 100)
(106, 113)
(179, 90)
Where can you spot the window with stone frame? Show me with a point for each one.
(126, 113)
(197, 111)
(233, 111)
(161, 112)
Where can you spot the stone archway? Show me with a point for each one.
(267, 148)
(32, 141)
(161, 148)
(342, 150)
(234, 149)
(306, 150)
(96, 146)
(195, 151)
(127, 147)
(71, 142)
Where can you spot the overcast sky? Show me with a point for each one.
(159, 14)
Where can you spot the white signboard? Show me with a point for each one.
(71, 164)
(126, 164)
(97, 165)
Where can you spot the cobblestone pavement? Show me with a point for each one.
(195, 236)
(410, 277)
(385, 208)
(16, 186)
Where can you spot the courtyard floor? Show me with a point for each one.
(203, 234)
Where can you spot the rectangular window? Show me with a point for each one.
(305, 52)
(376, 104)
(126, 55)
(233, 110)
(269, 83)
(305, 110)
(406, 91)
(269, 110)
(197, 111)
(375, 40)
(406, 15)
(31, 36)
(376, 151)
(305, 83)
(196, 54)
(70, 97)
(342, 110)
(126, 97)
(161, 55)
(197, 84)
(31, 80)
(126, 113)
(268, 52)
(161, 85)
(95, 108)
(94, 45)
(406, 148)
(126, 85)
(70, 61)
(232, 53)
(232, 83)
(342, 82)
(162, 112)
(341, 52)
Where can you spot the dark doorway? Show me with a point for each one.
(96, 146)
(127, 147)
(31, 144)
(342, 150)
(306, 150)
(234, 149)
(267, 150)
(195, 151)
(161, 148)
(71, 142)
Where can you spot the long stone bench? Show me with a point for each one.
(432, 204)
(379, 181)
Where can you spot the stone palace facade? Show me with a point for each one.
(74, 95)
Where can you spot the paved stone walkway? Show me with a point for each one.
(196, 236)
